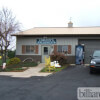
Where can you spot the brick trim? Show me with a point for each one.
(35, 58)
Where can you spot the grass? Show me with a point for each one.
(18, 67)
(56, 69)
(12, 69)
(1, 61)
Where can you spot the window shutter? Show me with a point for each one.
(69, 49)
(55, 48)
(36, 49)
(23, 49)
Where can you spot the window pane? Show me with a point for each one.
(96, 54)
(32, 49)
(27, 49)
(64, 48)
(45, 50)
(59, 48)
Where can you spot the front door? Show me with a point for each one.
(45, 52)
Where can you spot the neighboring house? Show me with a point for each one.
(78, 42)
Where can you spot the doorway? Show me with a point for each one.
(45, 52)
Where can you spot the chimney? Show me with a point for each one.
(70, 24)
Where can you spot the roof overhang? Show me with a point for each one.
(59, 35)
(60, 31)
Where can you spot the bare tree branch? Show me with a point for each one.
(8, 26)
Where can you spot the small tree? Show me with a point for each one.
(60, 57)
(8, 26)
(11, 54)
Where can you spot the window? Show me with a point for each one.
(30, 49)
(45, 50)
(62, 48)
(59, 48)
(96, 53)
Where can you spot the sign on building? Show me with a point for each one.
(46, 41)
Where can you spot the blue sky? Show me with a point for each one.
(54, 13)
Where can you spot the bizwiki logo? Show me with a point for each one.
(88, 93)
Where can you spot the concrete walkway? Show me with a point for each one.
(32, 71)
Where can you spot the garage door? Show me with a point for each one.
(90, 46)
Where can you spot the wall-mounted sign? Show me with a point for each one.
(46, 41)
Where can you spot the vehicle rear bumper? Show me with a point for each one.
(95, 67)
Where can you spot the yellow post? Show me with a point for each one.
(48, 64)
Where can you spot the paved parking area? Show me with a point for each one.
(59, 86)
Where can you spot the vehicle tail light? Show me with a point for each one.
(92, 66)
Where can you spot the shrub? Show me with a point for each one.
(28, 64)
(11, 54)
(23, 64)
(60, 57)
(14, 60)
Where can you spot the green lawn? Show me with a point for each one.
(13, 69)
(1, 61)
(18, 67)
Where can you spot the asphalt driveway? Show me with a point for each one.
(60, 86)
